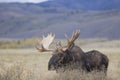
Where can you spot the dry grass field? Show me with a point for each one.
(29, 64)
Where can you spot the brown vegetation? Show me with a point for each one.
(28, 64)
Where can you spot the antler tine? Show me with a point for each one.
(67, 38)
(51, 35)
(75, 35)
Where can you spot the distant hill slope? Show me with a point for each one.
(84, 4)
(31, 20)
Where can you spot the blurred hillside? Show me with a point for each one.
(84, 4)
(26, 20)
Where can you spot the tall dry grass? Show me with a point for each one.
(29, 64)
(32, 65)
(20, 71)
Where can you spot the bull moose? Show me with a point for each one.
(73, 56)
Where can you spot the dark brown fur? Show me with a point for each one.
(75, 58)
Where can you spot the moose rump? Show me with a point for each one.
(95, 60)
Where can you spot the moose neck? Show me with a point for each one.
(77, 52)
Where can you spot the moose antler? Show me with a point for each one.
(45, 43)
(70, 42)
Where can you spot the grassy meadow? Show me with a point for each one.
(24, 62)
